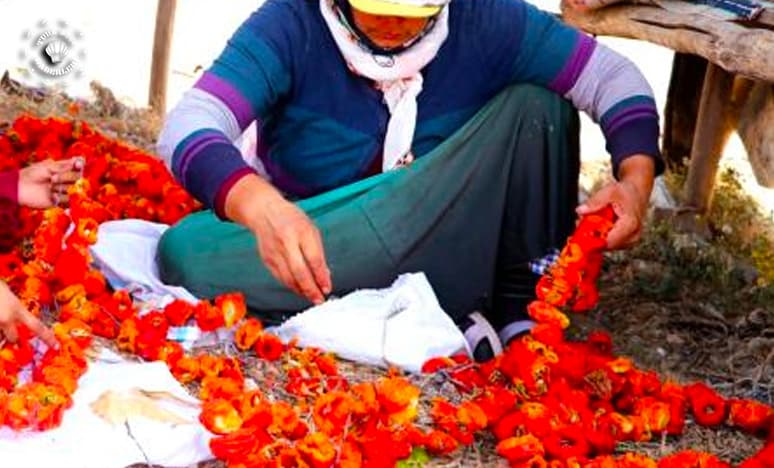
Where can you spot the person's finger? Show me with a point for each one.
(314, 253)
(302, 273)
(623, 232)
(65, 177)
(597, 201)
(10, 333)
(37, 327)
(59, 198)
(70, 164)
(61, 189)
(277, 266)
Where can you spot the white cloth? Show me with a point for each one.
(84, 440)
(125, 253)
(401, 326)
(398, 76)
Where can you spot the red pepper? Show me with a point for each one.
(235, 446)
(208, 317)
(567, 442)
(708, 407)
(751, 416)
(691, 458)
(178, 312)
(440, 443)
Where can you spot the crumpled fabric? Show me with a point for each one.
(400, 326)
(85, 440)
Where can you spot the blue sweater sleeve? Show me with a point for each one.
(247, 80)
(523, 44)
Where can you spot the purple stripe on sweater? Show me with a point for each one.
(226, 92)
(194, 147)
(225, 188)
(632, 113)
(638, 137)
(581, 54)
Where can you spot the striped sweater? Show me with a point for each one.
(321, 126)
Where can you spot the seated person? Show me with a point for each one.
(400, 136)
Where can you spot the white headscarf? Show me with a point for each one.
(398, 76)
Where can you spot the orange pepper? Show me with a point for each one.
(18, 409)
(232, 307)
(351, 456)
(398, 398)
(269, 347)
(186, 369)
(520, 449)
(543, 312)
(219, 388)
(331, 412)
(285, 421)
(210, 366)
(317, 450)
(170, 352)
(75, 330)
(220, 417)
(247, 334)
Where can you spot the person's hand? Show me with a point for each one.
(44, 184)
(291, 247)
(629, 198)
(13, 313)
(289, 243)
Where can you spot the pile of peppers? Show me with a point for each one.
(548, 402)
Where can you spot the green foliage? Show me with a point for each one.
(738, 226)
(418, 459)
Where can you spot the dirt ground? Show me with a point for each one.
(691, 307)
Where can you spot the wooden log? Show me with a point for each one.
(713, 127)
(162, 47)
(755, 129)
(740, 50)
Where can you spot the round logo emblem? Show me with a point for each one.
(52, 52)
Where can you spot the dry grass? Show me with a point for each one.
(678, 304)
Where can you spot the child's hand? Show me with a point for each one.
(45, 184)
(13, 313)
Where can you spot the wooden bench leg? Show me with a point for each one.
(682, 107)
(162, 46)
(713, 128)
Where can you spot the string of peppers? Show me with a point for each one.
(548, 402)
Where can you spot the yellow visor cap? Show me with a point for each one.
(395, 8)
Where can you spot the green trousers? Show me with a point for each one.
(498, 193)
